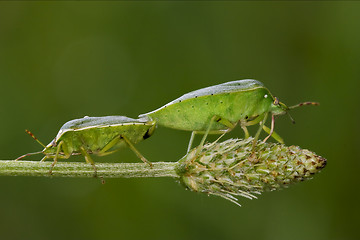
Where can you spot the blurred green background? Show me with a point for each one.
(65, 60)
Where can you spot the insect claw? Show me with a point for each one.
(102, 180)
(147, 162)
(95, 170)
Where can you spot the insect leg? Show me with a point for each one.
(272, 127)
(131, 146)
(107, 153)
(244, 123)
(274, 134)
(112, 143)
(271, 132)
(259, 130)
(217, 139)
(44, 158)
(221, 120)
(65, 154)
(207, 132)
(88, 159)
(215, 118)
(255, 120)
(247, 135)
(56, 156)
(218, 119)
(225, 122)
(191, 140)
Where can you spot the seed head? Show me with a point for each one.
(234, 168)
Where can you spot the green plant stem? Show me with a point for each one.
(78, 169)
(235, 167)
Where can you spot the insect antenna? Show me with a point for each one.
(291, 118)
(33, 136)
(299, 105)
(304, 103)
(28, 154)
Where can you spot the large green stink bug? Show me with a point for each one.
(217, 109)
(96, 135)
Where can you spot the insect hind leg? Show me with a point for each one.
(116, 140)
(274, 135)
(105, 150)
(131, 146)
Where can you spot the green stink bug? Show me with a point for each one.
(217, 109)
(96, 135)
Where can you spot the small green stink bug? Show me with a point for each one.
(96, 135)
(217, 109)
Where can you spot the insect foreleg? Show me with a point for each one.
(66, 154)
(274, 135)
(271, 132)
(272, 127)
(131, 146)
(56, 156)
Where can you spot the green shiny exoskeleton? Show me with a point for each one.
(217, 109)
(96, 135)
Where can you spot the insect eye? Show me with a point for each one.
(276, 101)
